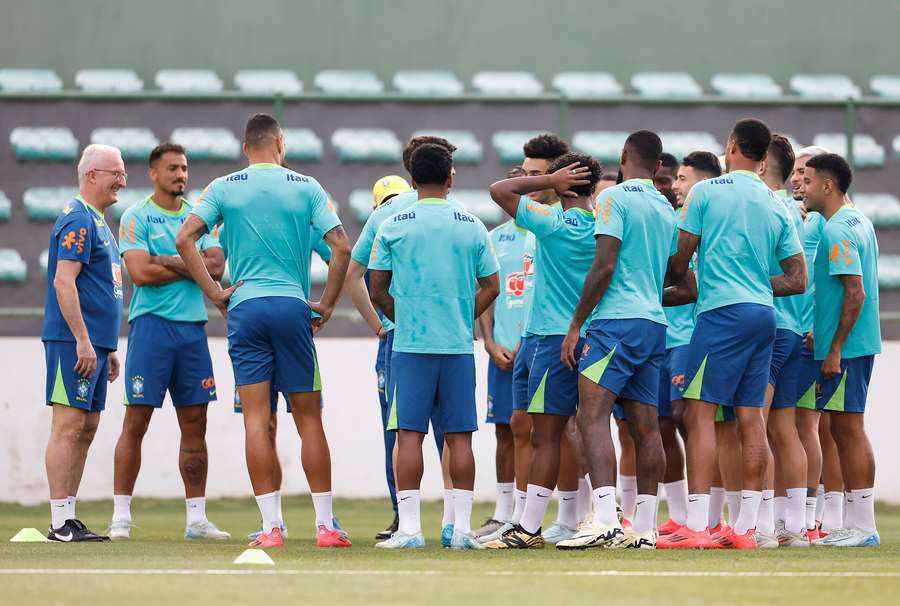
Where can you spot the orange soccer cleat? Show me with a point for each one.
(685, 538)
(273, 539)
(730, 539)
(331, 538)
(668, 527)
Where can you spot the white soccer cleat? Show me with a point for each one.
(205, 530)
(786, 538)
(402, 541)
(120, 530)
(489, 538)
(764, 541)
(591, 535)
(635, 540)
(850, 537)
(557, 532)
(464, 541)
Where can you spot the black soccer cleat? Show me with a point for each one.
(74, 531)
(390, 530)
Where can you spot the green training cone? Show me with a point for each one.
(254, 556)
(29, 535)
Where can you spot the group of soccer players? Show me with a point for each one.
(693, 305)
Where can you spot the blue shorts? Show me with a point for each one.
(807, 376)
(731, 354)
(273, 401)
(625, 357)
(846, 392)
(521, 371)
(500, 395)
(270, 339)
(164, 355)
(432, 386)
(552, 388)
(671, 378)
(785, 368)
(66, 387)
(380, 367)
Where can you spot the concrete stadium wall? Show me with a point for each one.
(351, 419)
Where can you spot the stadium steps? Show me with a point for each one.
(587, 85)
(134, 143)
(361, 202)
(480, 204)
(680, 144)
(5, 207)
(508, 144)
(366, 145)
(882, 209)
(188, 81)
(468, 148)
(50, 143)
(128, 197)
(757, 86)
(12, 266)
(348, 82)
(29, 81)
(507, 83)
(867, 153)
(665, 84)
(108, 81)
(885, 86)
(824, 86)
(302, 145)
(45, 203)
(602, 145)
(889, 271)
(433, 83)
(207, 143)
(268, 82)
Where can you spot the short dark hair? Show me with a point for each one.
(164, 148)
(781, 155)
(836, 167)
(545, 147)
(703, 162)
(261, 128)
(647, 146)
(430, 164)
(416, 142)
(752, 138)
(584, 160)
(669, 161)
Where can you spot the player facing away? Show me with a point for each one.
(624, 349)
(271, 214)
(167, 347)
(425, 264)
(562, 258)
(847, 336)
(739, 231)
(82, 313)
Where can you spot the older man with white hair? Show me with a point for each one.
(82, 313)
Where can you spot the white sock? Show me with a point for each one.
(584, 499)
(780, 508)
(820, 502)
(765, 521)
(676, 497)
(715, 506)
(70, 504)
(408, 508)
(734, 506)
(811, 504)
(535, 507)
(698, 511)
(448, 507)
(795, 516)
(268, 510)
(122, 507)
(567, 512)
(605, 506)
(196, 510)
(324, 513)
(848, 510)
(519, 507)
(59, 509)
(864, 509)
(629, 494)
(462, 510)
(644, 513)
(749, 511)
(833, 511)
(278, 498)
(504, 508)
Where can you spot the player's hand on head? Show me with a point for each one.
(86, 363)
(114, 367)
(568, 177)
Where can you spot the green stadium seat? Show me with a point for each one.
(302, 145)
(885, 86)
(348, 82)
(587, 85)
(508, 144)
(366, 145)
(134, 143)
(882, 209)
(468, 149)
(318, 270)
(29, 81)
(867, 153)
(208, 143)
(45, 203)
(188, 81)
(268, 82)
(507, 83)
(680, 144)
(480, 204)
(12, 266)
(665, 84)
(108, 81)
(889, 271)
(434, 83)
(56, 143)
(361, 204)
(128, 197)
(43, 260)
(5, 207)
(824, 86)
(755, 86)
(602, 145)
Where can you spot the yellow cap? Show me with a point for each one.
(388, 186)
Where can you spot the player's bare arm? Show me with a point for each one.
(355, 287)
(506, 193)
(186, 243)
(337, 272)
(488, 289)
(501, 356)
(851, 306)
(70, 307)
(380, 284)
(682, 292)
(148, 270)
(214, 259)
(793, 281)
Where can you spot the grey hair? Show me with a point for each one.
(90, 158)
(811, 150)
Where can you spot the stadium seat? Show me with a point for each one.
(318, 270)
(824, 86)
(603, 145)
(12, 266)
(128, 197)
(680, 144)
(29, 81)
(434, 83)
(361, 204)
(867, 153)
(108, 81)
(508, 144)
(889, 271)
(745, 85)
(885, 86)
(665, 84)
(882, 209)
(54, 143)
(479, 203)
(188, 81)
(268, 82)
(587, 85)
(5, 207)
(45, 203)
(507, 83)
(208, 143)
(366, 145)
(468, 149)
(302, 145)
(348, 82)
(43, 259)
(135, 143)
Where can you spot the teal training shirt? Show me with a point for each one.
(813, 227)
(789, 310)
(508, 241)
(528, 251)
(436, 253)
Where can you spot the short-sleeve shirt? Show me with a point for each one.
(637, 215)
(744, 230)
(813, 227)
(789, 310)
(564, 254)
(848, 247)
(81, 234)
(271, 213)
(508, 241)
(436, 253)
(148, 227)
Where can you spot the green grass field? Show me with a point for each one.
(157, 566)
